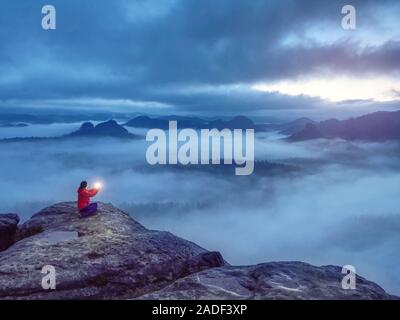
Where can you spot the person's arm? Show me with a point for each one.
(91, 192)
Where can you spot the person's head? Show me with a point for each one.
(83, 185)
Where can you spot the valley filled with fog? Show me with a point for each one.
(330, 202)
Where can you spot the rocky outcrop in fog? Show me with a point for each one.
(377, 126)
(269, 281)
(105, 129)
(111, 256)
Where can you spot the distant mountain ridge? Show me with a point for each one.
(159, 122)
(104, 129)
(377, 126)
(287, 128)
(238, 122)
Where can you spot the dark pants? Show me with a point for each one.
(90, 210)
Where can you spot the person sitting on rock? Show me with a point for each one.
(86, 208)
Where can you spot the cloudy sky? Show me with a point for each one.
(259, 57)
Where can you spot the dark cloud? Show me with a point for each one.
(124, 49)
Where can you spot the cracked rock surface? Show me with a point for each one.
(275, 280)
(111, 256)
(106, 256)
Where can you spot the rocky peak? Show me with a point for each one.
(106, 256)
(111, 256)
(269, 281)
(104, 129)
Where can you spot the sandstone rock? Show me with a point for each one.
(276, 280)
(111, 256)
(106, 256)
(8, 227)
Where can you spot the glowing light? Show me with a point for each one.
(98, 185)
(337, 88)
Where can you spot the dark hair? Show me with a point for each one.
(83, 185)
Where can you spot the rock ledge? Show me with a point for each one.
(111, 256)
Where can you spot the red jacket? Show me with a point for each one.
(84, 196)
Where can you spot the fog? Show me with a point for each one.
(38, 130)
(340, 205)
